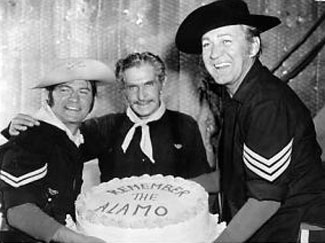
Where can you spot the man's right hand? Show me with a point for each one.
(66, 235)
(20, 123)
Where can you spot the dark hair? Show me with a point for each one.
(137, 59)
(250, 33)
(50, 100)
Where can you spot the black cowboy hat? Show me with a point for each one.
(214, 15)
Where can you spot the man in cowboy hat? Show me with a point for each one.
(41, 169)
(271, 173)
(147, 138)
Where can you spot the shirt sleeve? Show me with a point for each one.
(21, 175)
(33, 221)
(5, 132)
(267, 148)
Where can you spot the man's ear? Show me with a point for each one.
(125, 97)
(163, 83)
(255, 46)
(47, 97)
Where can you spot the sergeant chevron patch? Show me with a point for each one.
(271, 168)
(24, 179)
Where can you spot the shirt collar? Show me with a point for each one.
(247, 85)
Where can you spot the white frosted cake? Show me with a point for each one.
(147, 209)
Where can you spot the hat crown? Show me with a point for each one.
(74, 64)
(215, 15)
(233, 7)
(77, 68)
(228, 11)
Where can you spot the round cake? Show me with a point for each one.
(147, 209)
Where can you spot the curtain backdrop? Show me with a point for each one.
(35, 32)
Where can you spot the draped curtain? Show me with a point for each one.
(36, 32)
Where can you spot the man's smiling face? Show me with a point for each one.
(72, 101)
(226, 55)
(142, 89)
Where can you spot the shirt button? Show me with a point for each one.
(49, 199)
(143, 160)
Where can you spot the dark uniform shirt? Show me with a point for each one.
(44, 167)
(269, 152)
(176, 141)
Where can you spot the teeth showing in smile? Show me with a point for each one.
(143, 103)
(72, 108)
(221, 65)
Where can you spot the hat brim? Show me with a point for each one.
(92, 70)
(202, 20)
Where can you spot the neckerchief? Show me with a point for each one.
(145, 143)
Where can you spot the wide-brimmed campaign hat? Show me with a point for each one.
(214, 15)
(77, 68)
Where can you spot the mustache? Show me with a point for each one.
(142, 102)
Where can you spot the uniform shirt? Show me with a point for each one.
(44, 167)
(269, 152)
(176, 141)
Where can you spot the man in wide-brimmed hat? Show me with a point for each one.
(271, 173)
(41, 169)
(147, 138)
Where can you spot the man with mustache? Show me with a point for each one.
(147, 138)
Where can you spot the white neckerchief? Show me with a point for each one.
(46, 114)
(145, 143)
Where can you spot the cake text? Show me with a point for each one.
(177, 190)
(127, 209)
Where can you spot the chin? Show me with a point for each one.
(76, 119)
(143, 115)
(143, 112)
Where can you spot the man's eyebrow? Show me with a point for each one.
(70, 87)
(145, 82)
(63, 85)
(85, 88)
(150, 81)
